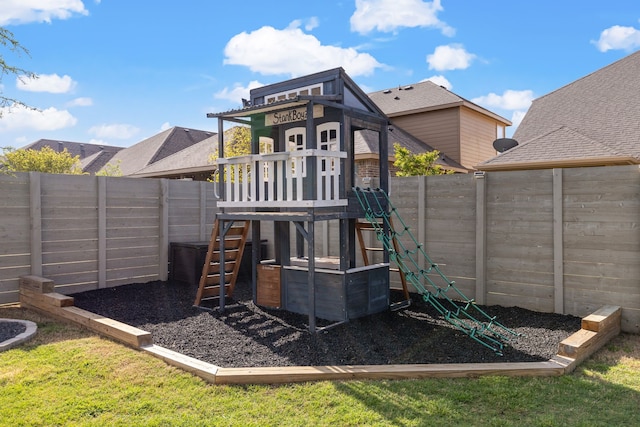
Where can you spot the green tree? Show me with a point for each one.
(237, 143)
(8, 41)
(410, 164)
(110, 169)
(45, 160)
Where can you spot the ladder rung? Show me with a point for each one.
(214, 291)
(375, 249)
(214, 279)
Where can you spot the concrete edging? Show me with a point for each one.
(30, 331)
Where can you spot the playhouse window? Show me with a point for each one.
(296, 141)
(313, 90)
(266, 147)
(328, 140)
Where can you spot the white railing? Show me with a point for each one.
(278, 179)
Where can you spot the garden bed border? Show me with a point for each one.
(36, 293)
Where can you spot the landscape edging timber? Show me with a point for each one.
(596, 330)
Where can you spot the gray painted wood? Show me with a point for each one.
(558, 257)
(570, 231)
(481, 239)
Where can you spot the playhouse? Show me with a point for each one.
(300, 172)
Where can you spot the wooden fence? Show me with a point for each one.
(561, 240)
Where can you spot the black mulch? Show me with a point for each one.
(248, 335)
(10, 330)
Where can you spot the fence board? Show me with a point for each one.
(600, 232)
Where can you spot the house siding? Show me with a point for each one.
(477, 133)
(440, 129)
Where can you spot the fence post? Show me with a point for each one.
(163, 259)
(422, 216)
(102, 231)
(481, 237)
(35, 211)
(558, 253)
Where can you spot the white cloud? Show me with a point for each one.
(114, 131)
(440, 81)
(618, 37)
(312, 23)
(22, 12)
(450, 57)
(237, 92)
(80, 102)
(390, 15)
(19, 117)
(165, 126)
(290, 51)
(509, 100)
(51, 83)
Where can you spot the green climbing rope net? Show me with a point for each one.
(434, 287)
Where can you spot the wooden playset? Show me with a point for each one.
(301, 172)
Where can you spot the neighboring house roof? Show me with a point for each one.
(196, 158)
(592, 121)
(366, 144)
(80, 149)
(422, 97)
(97, 161)
(92, 156)
(157, 147)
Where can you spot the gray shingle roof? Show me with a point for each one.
(595, 116)
(194, 158)
(157, 147)
(423, 96)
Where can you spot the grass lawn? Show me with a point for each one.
(69, 376)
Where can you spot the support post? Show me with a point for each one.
(481, 237)
(422, 217)
(163, 261)
(102, 231)
(311, 276)
(35, 211)
(558, 245)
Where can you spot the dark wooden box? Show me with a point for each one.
(339, 295)
(186, 260)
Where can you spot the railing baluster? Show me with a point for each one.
(335, 172)
(280, 173)
(321, 175)
(275, 178)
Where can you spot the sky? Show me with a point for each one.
(115, 72)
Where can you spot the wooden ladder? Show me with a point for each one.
(367, 226)
(234, 242)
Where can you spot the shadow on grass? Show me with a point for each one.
(501, 400)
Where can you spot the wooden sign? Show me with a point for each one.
(292, 115)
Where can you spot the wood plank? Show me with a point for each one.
(52, 299)
(77, 315)
(279, 375)
(585, 342)
(36, 284)
(603, 319)
(197, 367)
(121, 331)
